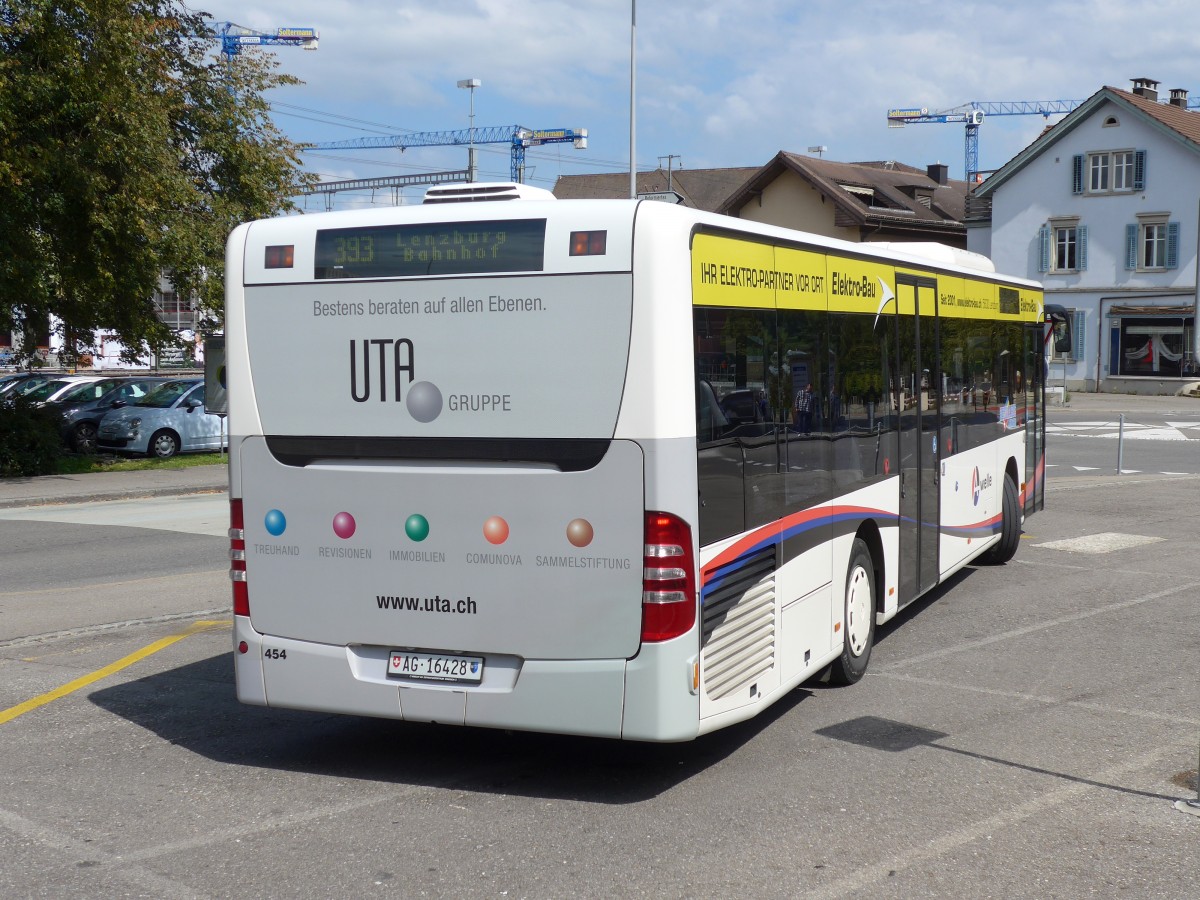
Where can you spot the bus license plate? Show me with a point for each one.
(435, 666)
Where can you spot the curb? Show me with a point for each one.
(129, 494)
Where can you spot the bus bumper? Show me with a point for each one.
(646, 699)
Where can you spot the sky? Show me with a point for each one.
(718, 84)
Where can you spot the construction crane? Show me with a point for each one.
(516, 136)
(235, 37)
(972, 114)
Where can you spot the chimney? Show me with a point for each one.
(1179, 97)
(1146, 87)
(939, 173)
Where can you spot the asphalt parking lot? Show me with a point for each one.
(1024, 732)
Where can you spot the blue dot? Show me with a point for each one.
(275, 522)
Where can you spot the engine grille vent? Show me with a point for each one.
(738, 629)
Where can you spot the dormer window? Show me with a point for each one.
(864, 194)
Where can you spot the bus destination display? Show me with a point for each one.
(438, 248)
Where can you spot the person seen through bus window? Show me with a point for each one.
(804, 408)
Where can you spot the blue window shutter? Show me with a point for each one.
(1172, 245)
(1139, 170)
(1081, 249)
(1044, 252)
(1077, 174)
(1131, 246)
(1077, 333)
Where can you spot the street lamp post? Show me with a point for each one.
(470, 84)
(633, 99)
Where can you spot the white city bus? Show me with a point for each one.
(609, 468)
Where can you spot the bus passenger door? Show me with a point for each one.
(917, 395)
(1035, 427)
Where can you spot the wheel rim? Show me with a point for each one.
(164, 445)
(85, 438)
(858, 611)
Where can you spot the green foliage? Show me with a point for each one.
(86, 464)
(30, 439)
(127, 148)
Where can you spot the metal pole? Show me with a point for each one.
(472, 170)
(1121, 445)
(633, 100)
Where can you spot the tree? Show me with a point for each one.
(127, 149)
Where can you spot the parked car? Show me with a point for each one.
(57, 387)
(170, 419)
(85, 405)
(14, 385)
(744, 406)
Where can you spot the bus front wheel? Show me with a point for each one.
(1010, 527)
(858, 619)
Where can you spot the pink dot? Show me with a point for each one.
(343, 525)
(495, 530)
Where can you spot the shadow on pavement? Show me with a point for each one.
(195, 707)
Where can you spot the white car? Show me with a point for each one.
(51, 390)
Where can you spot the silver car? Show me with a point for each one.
(170, 419)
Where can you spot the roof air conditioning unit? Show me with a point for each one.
(480, 191)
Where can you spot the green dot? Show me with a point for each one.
(416, 527)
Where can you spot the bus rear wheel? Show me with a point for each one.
(858, 619)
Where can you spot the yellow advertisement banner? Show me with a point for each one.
(726, 272)
(737, 273)
(809, 282)
(859, 286)
(966, 298)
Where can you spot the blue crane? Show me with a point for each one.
(972, 115)
(516, 136)
(235, 37)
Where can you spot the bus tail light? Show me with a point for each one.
(237, 559)
(589, 243)
(668, 578)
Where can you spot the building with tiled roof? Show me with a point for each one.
(864, 201)
(1103, 208)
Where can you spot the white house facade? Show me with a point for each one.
(1104, 209)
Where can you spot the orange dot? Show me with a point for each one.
(495, 530)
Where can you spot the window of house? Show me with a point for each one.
(1122, 171)
(1157, 346)
(1152, 244)
(1066, 241)
(1063, 246)
(1109, 172)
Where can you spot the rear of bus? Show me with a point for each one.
(453, 496)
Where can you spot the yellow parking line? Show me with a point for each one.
(83, 681)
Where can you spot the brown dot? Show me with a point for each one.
(579, 532)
